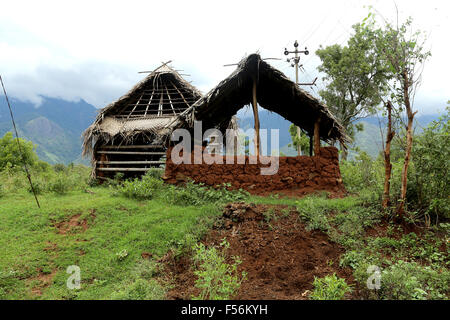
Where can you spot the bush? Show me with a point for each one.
(217, 280)
(191, 194)
(431, 181)
(330, 287)
(59, 184)
(142, 189)
(407, 281)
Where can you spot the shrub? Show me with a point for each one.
(430, 183)
(407, 281)
(217, 280)
(192, 194)
(59, 184)
(330, 287)
(145, 188)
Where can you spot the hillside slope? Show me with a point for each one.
(55, 126)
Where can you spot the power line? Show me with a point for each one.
(18, 143)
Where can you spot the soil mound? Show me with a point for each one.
(279, 255)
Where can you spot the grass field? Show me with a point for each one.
(120, 236)
(117, 231)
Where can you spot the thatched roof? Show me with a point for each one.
(275, 92)
(150, 107)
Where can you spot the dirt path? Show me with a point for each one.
(280, 256)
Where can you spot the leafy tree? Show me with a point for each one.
(302, 140)
(355, 77)
(402, 50)
(10, 155)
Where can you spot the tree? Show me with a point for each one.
(387, 157)
(355, 77)
(10, 155)
(302, 140)
(402, 50)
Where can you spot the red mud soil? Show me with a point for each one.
(295, 176)
(281, 257)
(44, 280)
(73, 224)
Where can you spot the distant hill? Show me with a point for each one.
(368, 140)
(55, 126)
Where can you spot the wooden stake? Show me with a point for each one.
(255, 115)
(317, 137)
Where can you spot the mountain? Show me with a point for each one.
(368, 140)
(55, 126)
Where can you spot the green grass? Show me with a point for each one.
(119, 224)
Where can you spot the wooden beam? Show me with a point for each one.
(317, 137)
(180, 93)
(299, 147)
(132, 147)
(131, 152)
(135, 105)
(131, 162)
(256, 117)
(124, 169)
(170, 100)
(149, 102)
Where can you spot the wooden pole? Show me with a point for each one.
(255, 115)
(317, 137)
(310, 145)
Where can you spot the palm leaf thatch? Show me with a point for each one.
(148, 109)
(275, 92)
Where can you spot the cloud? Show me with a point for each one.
(93, 50)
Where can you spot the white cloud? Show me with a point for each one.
(94, 49)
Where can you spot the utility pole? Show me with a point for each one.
(295, 63)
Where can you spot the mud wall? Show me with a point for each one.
(302, 174)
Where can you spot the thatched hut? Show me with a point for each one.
(256, 82)
(130, 134)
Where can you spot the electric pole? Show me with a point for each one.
(295, 63)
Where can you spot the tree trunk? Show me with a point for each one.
(387, 159)
(409, 140)
(344, 153)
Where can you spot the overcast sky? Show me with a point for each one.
(94, 49)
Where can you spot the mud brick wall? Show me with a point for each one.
(302, 173)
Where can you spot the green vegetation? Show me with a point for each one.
(10, 155)
(217, 279)
(330, 287)
(190, 194)
(118, 232)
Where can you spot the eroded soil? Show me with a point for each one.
(280, 256)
